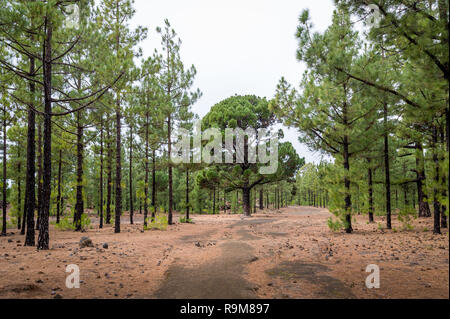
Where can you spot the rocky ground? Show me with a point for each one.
(285, 254)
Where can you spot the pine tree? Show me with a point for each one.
(175, 82)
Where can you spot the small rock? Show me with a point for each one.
(105, 246)
(86, 242)
(58, 296)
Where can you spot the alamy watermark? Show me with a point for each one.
(72, 20)
(373, 280)
(249, 146)
(374, 18)
(73, 279)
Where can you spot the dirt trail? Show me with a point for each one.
(220, 278)
(289, 253)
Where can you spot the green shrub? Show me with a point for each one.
(10, 224)
(66, 223)
(160, 223)
(405, 217)
(183, 220)
(335, 225)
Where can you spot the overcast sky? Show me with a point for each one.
(238, 46)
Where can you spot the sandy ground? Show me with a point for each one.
(285, 254)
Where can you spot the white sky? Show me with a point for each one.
(237, 46)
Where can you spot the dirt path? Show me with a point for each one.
(220, 278)
(286, 254)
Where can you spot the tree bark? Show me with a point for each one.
(24, 219)
(19, 190)
(224, 201)
(146, 170)
(347, 199)
(39, 164)
(79, 206)
(261, 199)
(109, 178)
(101, 174)
(4, 172)
(29, 204)
(387, 170)
(43, 239)
(444, 183)
(370, 173)
(214, 200)
(424, 208)
(118, 203)
(58, 199)
(187, 194)
(154, 185)
(131, 176)
(246, 200)
(436, 204)
(169, 152)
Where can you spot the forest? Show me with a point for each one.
(88, 125)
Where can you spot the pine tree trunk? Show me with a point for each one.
(444, 189)
(29, 203)
(118, 202)
(39, 163)
(387, 170)
(24, 219)
(19, 190)
(109, 178)
(101, 175)
(214, 200)
(424, 208)
(154, 185)
(261, 199)
(169, 148)
(254, 202)
(4, 173)
(246, 200)
(79, 206)
(347, 199)
(43, 239)
(436, 204)
(224, 201)
(58, 199)
(370, 173)
(187, 194)
(131, 176)
(146, 171)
